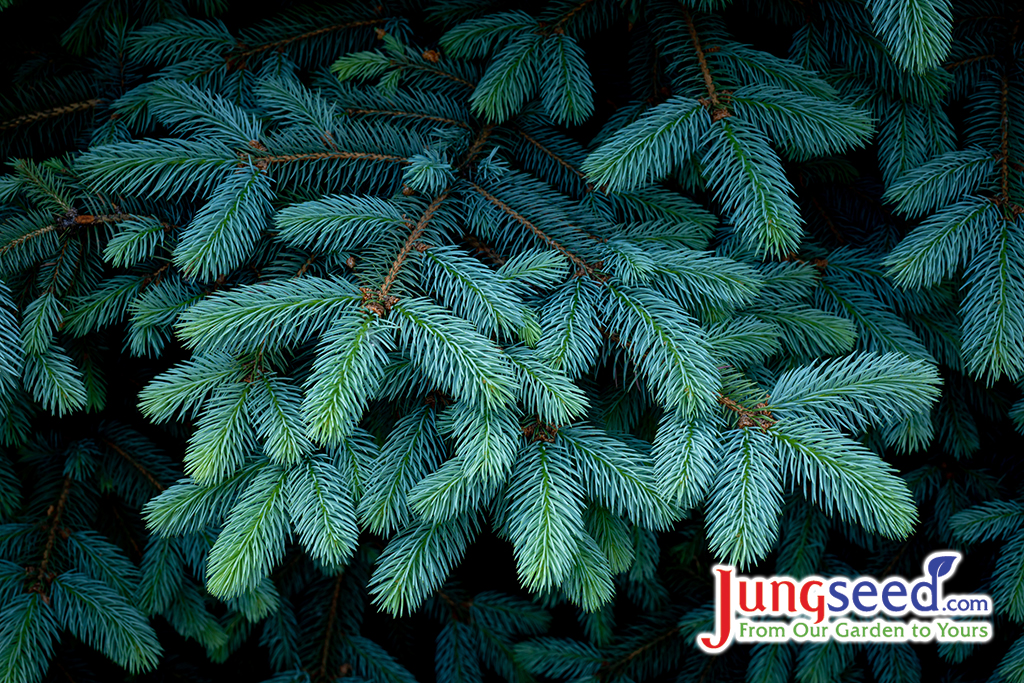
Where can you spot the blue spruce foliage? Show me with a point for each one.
(457, 341)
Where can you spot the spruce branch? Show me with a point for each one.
(238, 56)
(469, 85)
(63, 110)
(1004, 142)
(355, 111)
(46, 182)
(759, 416)
(476, 147)
(610, 670)
(469, 378)
(306, 265)
(51, 287)
(558, 28)
(263, 162)
(17, 242)
(411, 241)
(582, 266)
(483, 249)
(136, 464)
(950, 66)
(558, 159)
(43, 576)
(332, 615)
(432, 58)
(379, 301)
(829, 223)
(718, 109)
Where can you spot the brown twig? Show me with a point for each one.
(48, 113)
(127, 531)
(410, 242)
(895, 559)
(379, 301)
(238, 59)
(135, 463)
(54, 514)
(476, 147)
(56, 663)
(949, 66)
(482, 248)
(86, 219)
(156, 275)
(718, 110)
(442, 73)
(802, 184)
(828, 220)
(306, 265)
(1004, 144)
(332, 614)
(409, 115)
(559, 160)
(17, 242)
(458, 609)
(609, 668)
(820, 263)
(557, 27)
(760, 416)
(264, 162)
(581, 264)
(705, 670)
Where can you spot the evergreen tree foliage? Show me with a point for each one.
(457, 341)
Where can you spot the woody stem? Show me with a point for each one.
(51, 536)
(329, 631)
(416, 233)
(579, 262)
(709, 82)
(1004, 146)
